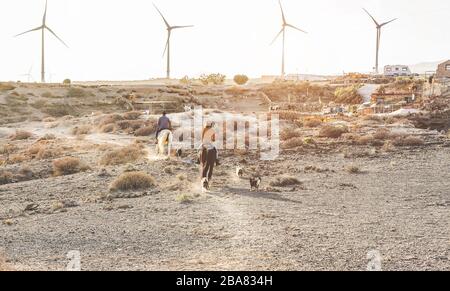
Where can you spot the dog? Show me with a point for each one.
(179, 153)
(205, 184)
(255, 182)
(239, 172)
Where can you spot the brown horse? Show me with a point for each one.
(208, 158)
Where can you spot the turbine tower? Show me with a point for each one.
(42, 28)
(283, 32)
(169, 34)
(379, 26)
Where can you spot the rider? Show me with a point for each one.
(209, 138)
(163, 124)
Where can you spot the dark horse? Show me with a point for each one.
(208, 158)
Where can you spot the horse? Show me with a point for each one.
(208, 157)
(165, 138)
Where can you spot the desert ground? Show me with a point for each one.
(79, 172)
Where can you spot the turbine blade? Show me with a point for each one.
(45, 13)
(376, 23)
(291, 26)
(34, 29)
(276, 37)
(160, 13)
(383, 24)
(282, 12)
(184, 26)
(167, 45)
(51, 31)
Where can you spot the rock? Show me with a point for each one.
(31, 207)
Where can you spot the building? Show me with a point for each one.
(443, 71)
(397, 71)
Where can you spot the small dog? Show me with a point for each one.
(255, 183)
(239, 172)
(179, 153)
(205, 184)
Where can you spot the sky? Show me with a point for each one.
(125, 39)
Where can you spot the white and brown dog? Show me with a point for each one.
(205, 184)
(255, 182)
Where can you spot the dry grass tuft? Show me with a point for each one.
(382, 134)
(313, 123)
(68, 166)
(6, 177)
(21, 135)
(289, 133)
(408, 141)
(108, 128)
(8, 149)
(133, 181)
(331, 131)
(133, 115)
(353, 169)
(129, 154)
(184, 198)
(82, 130)
(108, 119)
(292, 143)
(285, 181)
(146, 131)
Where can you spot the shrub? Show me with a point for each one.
(130, 124)
(132, 181)
(352, 169)
(215, 79)
(129, 154)
(108, 128)
(59, 110)
(6, 177)
(183, 198)
(21, 135)
(68, 166)
(67, 82)
(6, 87)
(109, 119)
(382, 134)
(313, 123)
(408, 141)
(146, 131)
(47, 94)
(289, 133)
(74, 92)
(82, 130)
(285, 181)
(331, 131)
(8, 149)
(348, 95)
(240, 79)
(48, 136)
(292, 143)
(185, 81)
(133, 115)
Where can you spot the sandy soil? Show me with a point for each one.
(398, 205)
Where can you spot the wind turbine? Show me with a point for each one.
(283, 32)
(28, 75)
(379, 26)
(43, 27)
(169, 34)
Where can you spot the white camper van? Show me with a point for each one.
(397, 71)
